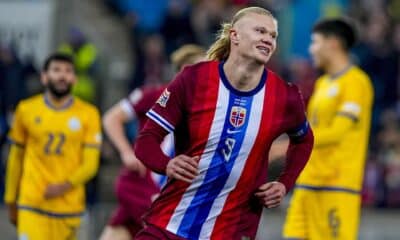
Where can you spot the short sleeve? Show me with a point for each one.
(353, 94)
(93, 137)
(128, 104)
(300, 125)
(18, 132)
(168, 109)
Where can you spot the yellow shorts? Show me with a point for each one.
(323, 213)
(33, 225)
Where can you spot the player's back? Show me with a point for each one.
(340, 164)
(53, 139)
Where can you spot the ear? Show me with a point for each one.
(43, 78)
(234, 36)
(334, 43)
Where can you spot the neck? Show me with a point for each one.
(56, 101)
(337, 64)
(242, 74)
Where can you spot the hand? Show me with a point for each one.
(56, 190)
(13, 213)
(271, 194)
(183, 168)
(131, 162)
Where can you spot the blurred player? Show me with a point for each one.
(135, 186)
(326, 201)
(55, 150)
(224, 115)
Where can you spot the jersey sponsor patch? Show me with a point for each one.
(238, 116)
(163, 99)
(74, 124)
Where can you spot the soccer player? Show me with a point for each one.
(326, 200)
(55, 150)
(135, 185)
(224, 114)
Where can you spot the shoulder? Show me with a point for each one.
(31, 103)
(291, 88)
(199, 69)
(356, 78)
(85, 107)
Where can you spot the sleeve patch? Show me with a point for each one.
(163, 99)
(351, 107)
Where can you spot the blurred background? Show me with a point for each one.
(119, 45)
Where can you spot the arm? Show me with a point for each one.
(163, 117)
(13, 179)
(17, 136)
(341, 125)
(299, 150)
(90, 150)
(300, 146)
(297, 155)
(13, 174)
(148, 147)
(89, 167)
(113, 123)
(181, 167)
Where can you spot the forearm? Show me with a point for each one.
(114, 128)
(89, 167)
(13, 174)
(334, 133)
(148, 147)
(297, 154)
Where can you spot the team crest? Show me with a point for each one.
(238, 116)
(163, 99)
(74, 124)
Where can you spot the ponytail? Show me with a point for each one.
(220, 49)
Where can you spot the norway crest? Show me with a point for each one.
(238, 116)
(163, 99)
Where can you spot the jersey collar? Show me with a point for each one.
(60, 108)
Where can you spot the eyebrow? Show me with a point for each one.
(265, 29)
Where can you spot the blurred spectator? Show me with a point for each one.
(207, 17)
(176, 27)
(13, 76)
(151, 62)
(85, 56)
(389, 158)
(301, 72)
(377, 58)
(145, 17)
(12, 79)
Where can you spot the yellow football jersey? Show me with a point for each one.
(339, 162)
(53, 141)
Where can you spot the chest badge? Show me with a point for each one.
(333, 91)
(238, 116)
(74, 124)
(38, 120)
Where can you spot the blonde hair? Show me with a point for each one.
(220, 49)
(187, 54)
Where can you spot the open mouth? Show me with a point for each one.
(264, 50)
